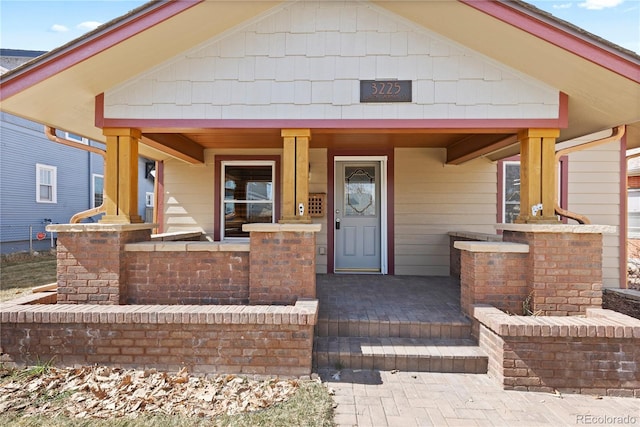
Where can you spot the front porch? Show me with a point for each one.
(410, 323)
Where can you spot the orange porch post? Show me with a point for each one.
(121, 176)
(295, 180)
(537, 176)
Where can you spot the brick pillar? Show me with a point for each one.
(91, 261)
(564, 270)
(492, 273)
(282, 262)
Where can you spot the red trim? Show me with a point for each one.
(160, 196)
(86, 49)
(564, 185)
(558, 37)
(624, 209)
(501, 124)
(217, 190)
(563, 111)
(331, 154)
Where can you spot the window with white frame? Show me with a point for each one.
(510, 197)
(248, 195)
(46, 188)
(149, 197)
(633, 209)
(97, 190)
(511, 191)
(76, 138)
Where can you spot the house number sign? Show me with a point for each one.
(385, 90)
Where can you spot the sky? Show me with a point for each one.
(47, 24)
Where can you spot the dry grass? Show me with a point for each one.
(21, 272)
(310, 405)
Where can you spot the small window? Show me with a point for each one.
(76, 138)
(98, 190)
(247, 196)
(46, 189)
(148, 199)
(511, 201)
(633, 209)
(509, 192)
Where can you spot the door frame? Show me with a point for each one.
(383, 161)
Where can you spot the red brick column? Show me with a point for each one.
(282, 262)
(565, 266)
(91, 265)
(492, 273)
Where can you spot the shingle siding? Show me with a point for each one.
(279, 67)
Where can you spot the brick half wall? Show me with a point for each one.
(199, 273)
(598, 354)
(206, 339)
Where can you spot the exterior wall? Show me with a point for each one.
(188, 197)
(594, 191)
(305, 60)
(432, 199)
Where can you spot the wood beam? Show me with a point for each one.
(474, 146)
(176, 145)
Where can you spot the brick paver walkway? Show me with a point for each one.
(405, 399)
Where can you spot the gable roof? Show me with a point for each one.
(602, 81)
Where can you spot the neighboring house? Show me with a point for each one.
(406, 118)
(47, 182)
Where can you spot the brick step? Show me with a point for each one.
(405, 354)
(352, 327)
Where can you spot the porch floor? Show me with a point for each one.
(425, 299)
(394, 322)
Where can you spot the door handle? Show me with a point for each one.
(337, 223)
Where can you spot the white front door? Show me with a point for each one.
(358, 211)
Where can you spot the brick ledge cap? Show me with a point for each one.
(81, 228)
(558, 228)
(276, 228)
(492, 247)
(600, 323)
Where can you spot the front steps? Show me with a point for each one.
(383, 344)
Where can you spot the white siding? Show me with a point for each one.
(277, 67)
(594, 191)
(432, 199)
(188, 197)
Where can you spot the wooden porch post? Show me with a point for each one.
(121, 176)
(537, 176)
(295, 177)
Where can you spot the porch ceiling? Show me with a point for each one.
(188, 145)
